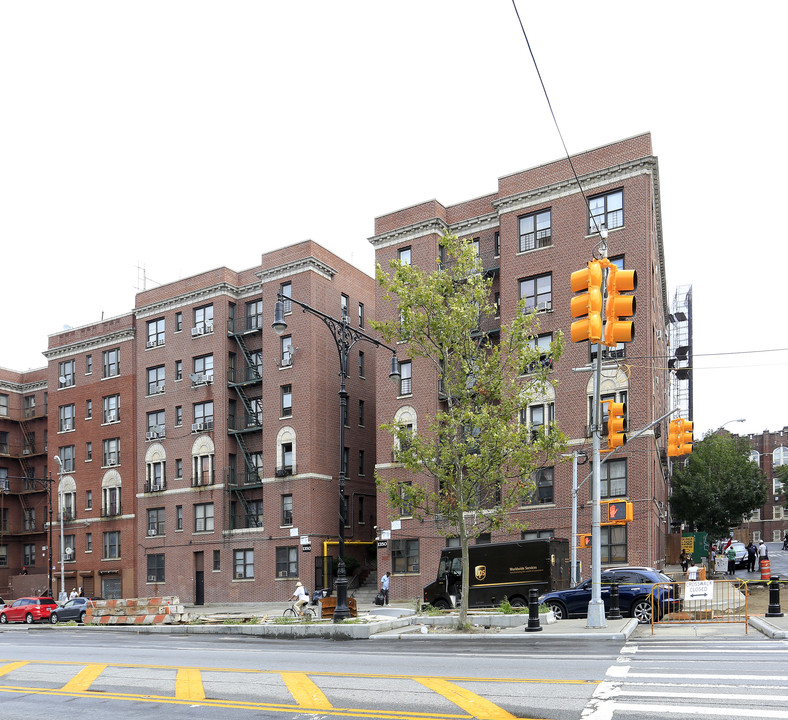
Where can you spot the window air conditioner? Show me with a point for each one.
(197, 427)
(199, 330)
(151, 531)
(150, 343)
(160, 388)
(283, 573)
(111, 417)
(67, 426)
(150, 435)
(209, 328)
(151, 578)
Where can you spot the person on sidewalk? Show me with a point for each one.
(384, 587)
(730, 553)
(763, 553)
(692, 571)
(752, 556)
(684, 559)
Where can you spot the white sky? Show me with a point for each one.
(181, 136)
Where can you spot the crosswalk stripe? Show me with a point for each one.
(10, 667)
(475, 705)
(188, 684)
(304, 691)
(84, 678)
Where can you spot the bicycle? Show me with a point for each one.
(293, 612)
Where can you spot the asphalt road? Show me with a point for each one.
(123, 676)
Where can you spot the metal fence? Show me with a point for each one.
(701, 601)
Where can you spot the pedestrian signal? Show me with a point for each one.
(584, 540)
(616, 512)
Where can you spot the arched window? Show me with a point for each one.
(286, 452)
(203, 461)
(155, 467)
(68, 492)
(780, 456)
(407, 416)
(110, 494)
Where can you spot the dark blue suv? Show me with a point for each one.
(635, 585)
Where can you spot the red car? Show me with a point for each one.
(28, 609)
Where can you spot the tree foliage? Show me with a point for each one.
(471, 462)
(719, 486)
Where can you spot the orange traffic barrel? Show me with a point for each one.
(766, 569)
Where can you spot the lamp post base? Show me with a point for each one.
(596, 615)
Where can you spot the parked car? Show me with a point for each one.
(635, 588)
(28, 609)
(75, 609)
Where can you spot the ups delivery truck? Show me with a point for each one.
(501, 571)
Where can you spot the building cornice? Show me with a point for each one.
(409, 233)
(93, 343)
(195, 297)
(21, 388)
(307, 264)
(475, 225)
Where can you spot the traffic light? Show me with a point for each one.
(589, 303)
(616, 512)
(616, 424)
(583, 540)
(618, 306)
(679, 437)
(685, 438)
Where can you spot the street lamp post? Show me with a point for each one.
(60, 502)
(728, 422)
(345, 338)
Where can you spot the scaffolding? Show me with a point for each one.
(681, 354)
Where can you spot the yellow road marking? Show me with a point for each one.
(304, 691)
(475, 705)
(10, 667)
(82, 681)
(188, 684)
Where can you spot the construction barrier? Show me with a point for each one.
(766, 570)
(702, 601)
(137, 611)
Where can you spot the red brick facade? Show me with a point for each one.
(629, 167)
(770, 451)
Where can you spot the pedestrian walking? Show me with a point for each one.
(684, 560)
(384, 586)
(752, 556)
(730, 553)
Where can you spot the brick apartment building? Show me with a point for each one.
(770, 451)
(200, 450)
(24, 489)
(531, 235)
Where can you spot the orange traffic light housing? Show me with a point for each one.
(616, 424)
(588, 282)
(583, 540)
(679, 437)
(618, 306)
(685, 438)
(616, 512)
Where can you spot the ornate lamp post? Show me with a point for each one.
(345, 338)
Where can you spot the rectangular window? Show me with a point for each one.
(155, 333)
(405, 378)
(361, 314)
(4, 555)
(405, 505)
(543, 488)
(287, 509)
(69, 548)
(403, 255)
(254, 315)
(497, 244)
(287, 400)
(66, 415)
(360, 507)
(88, 451)
(542, 344)
(203, 517)
(66, 373)
(203, 416)
(111, 409)
(286, 357)
(179, 369)
(29, 554)
(286, 288)
(217, 560)
(66, 453)
(178, 321)
(179, 517)
(361, 363)
(203, 369)
(88, 499)
(3, 405)
(203, 320)
(344, 304)
(156, 380)
(155, 521)
(156, 568)
(88, 365)
(535, 230)
(361, 413)
(405, 556)
(88, 409)
(178, 415)
(360, 462)
(607, 209)
(537, 291)
(614, 478)
(243, 564)
(111, 448)
(287, 458)
(111, 544)
(286, 562)
(111, 362)
(178, 468)
(614, 544)
(88, 542)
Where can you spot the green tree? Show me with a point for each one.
(471, 462)
(718, 487)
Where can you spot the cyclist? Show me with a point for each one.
(301, 597)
